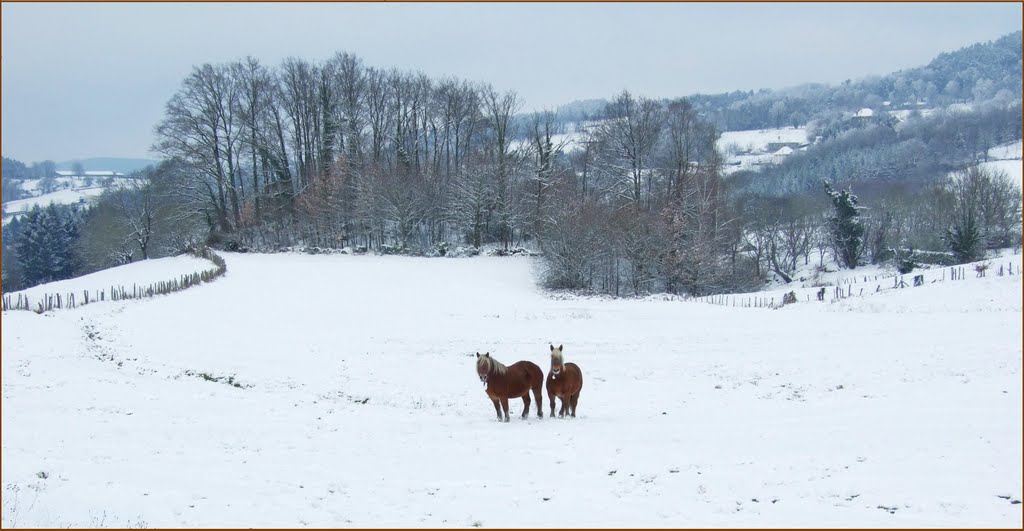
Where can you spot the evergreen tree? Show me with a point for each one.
(964, 238)
(45, 246)
(845, 227)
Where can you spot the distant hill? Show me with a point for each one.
(109, 163)
(982, 72)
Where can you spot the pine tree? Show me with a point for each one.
(965, 239)
(45, 248)
(845, 227)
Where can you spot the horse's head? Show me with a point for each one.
(556, 360)
(483, 366)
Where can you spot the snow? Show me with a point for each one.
(64, 197)
(70, 190)
(1013, 168)
(757, 140)
(1007, 159)
(89, 173)
(959, 108)
(360, 405)
(142, 273)
(750, 148)
(865, 113)
(1006, 151)
(901, 114)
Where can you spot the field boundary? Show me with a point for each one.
(58, 301)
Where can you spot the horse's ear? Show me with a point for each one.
(552, 348)
(487, 354)
(478, 354)
(559, 347)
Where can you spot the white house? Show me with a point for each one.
(781, 154)
(95, 174)
(864, 113)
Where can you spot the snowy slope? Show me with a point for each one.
(1006, 151)
(142, 273)
(757, 140)
(68, 191)
(1007, 159)
(61, 197)
(1014, 169)
(359, 405)
(746, 150)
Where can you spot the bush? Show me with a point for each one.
(965, 240)
(461, 251)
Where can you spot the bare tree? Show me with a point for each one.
(200, 128)
(498, 110)
(631, 134)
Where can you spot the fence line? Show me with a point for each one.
(844, 287)
(118, 293)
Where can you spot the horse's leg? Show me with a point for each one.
(540, 402)
(526, 404)
(504, 405)
(497, 408)
(551, 400)
(572, 402)
(565, 406)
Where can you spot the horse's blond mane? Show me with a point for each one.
(494, 366)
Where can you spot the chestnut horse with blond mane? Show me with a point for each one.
(514, 381)
(565, 381)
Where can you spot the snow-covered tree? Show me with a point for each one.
(845, 226)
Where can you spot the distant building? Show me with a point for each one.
(775, 146)
(781, 154)
(93, 174)
(864, 113)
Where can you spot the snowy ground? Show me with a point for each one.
(69, 190)
(758, 139)
(359, 405)
(750, 148)
(1006, 151)
(1008, 159)
(61, 197)
(142, 273)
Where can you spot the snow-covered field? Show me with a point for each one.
(1008, 159)
(758, 139)
(142, 273)
(1006, 151)
(750, 148)
(68, 191)
(1014, 168)
(359, 405)
(61, 197)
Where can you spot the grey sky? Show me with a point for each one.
(91, 80)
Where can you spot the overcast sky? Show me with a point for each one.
(91, 80)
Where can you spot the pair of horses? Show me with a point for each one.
(517, 381)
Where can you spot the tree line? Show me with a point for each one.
(339, 154)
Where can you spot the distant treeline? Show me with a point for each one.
(981, 72)
(336, 153)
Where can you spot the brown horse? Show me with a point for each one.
(514, 381)
(565, 381)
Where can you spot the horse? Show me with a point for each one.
(565, 381)
(514, 381)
